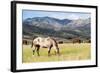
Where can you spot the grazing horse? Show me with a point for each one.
(48, 42)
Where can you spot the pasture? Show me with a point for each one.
(68, 52)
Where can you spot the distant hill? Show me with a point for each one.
(48, 26)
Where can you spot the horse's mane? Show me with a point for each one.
(54, 41)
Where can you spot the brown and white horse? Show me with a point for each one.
(41, 42)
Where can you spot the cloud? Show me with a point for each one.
(59, 15)
(73, 16)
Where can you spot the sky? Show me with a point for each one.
(59, 15)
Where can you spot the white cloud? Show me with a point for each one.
(73, 16)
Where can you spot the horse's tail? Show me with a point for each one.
(32, 44)
(33, 40)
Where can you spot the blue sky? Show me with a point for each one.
(59, 15)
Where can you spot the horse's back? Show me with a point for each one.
(43, 42)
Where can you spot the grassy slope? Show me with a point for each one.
(68, 52)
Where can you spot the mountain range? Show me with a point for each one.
(63, 28)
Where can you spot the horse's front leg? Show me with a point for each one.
(58, 51)
(49, 51)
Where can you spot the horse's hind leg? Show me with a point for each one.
(38, 50)
(34, 50)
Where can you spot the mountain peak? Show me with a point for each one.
(50, 22)
(55, 27)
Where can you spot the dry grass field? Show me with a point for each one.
(68, 52)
